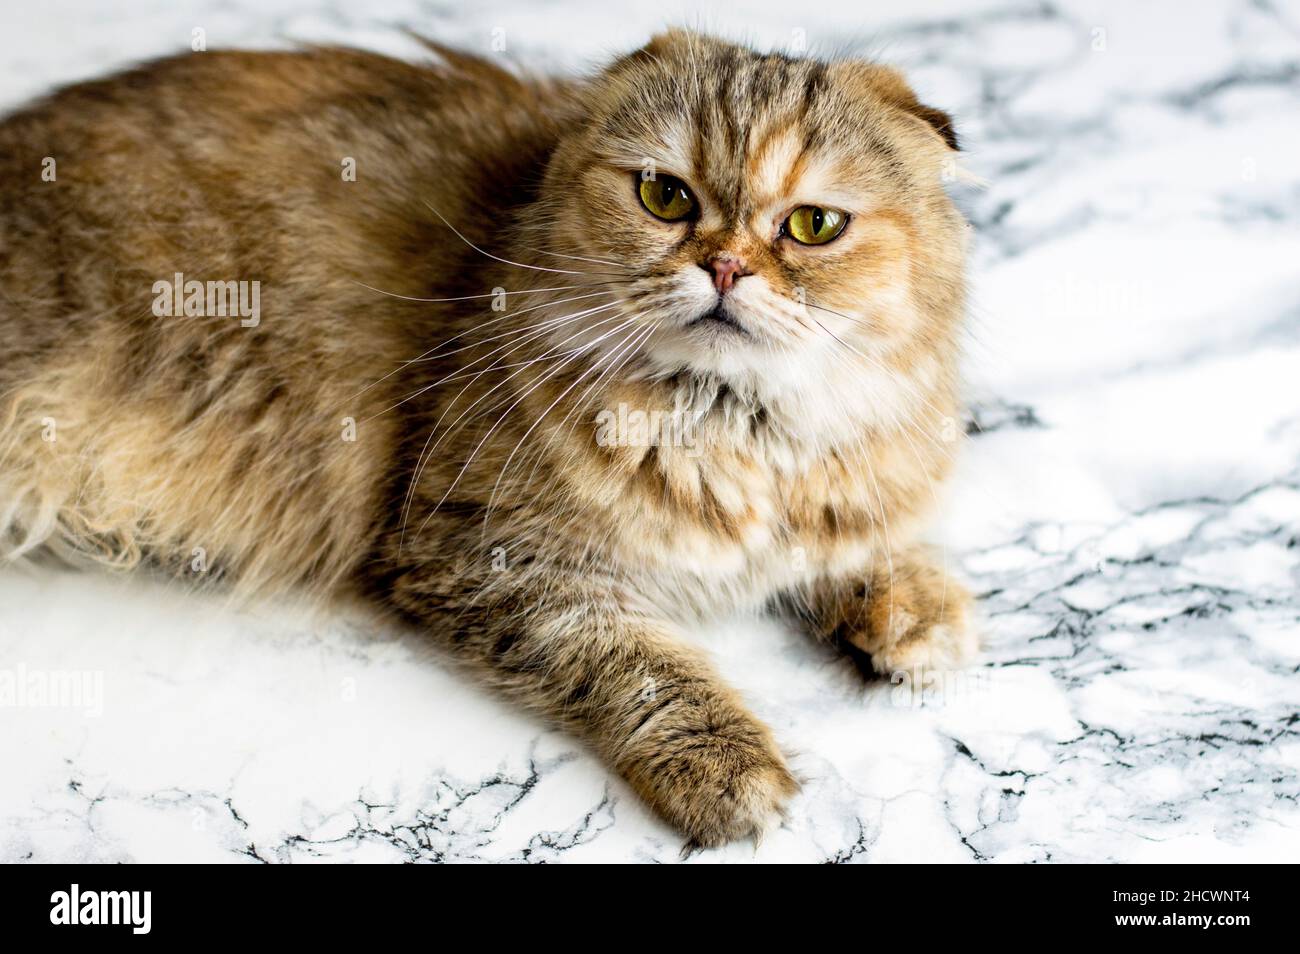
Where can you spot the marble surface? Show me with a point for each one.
(1128, 507)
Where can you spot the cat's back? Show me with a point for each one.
(314, 174)
(284, 187)
(316, 93)
(321, 159)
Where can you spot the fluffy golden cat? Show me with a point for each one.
(552, 369)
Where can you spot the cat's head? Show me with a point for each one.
(777, 219)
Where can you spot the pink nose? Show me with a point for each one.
(726, 269)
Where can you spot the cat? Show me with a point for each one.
(551, 369)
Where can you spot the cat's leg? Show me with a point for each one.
(650, 705)
(903, 612)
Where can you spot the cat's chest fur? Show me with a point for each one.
(746, 537)
(726, 526)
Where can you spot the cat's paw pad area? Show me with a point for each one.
(939, 646)
(718, 784)
(744, 803)
(917, 620)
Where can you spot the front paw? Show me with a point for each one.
(711, 769)
(916, 617)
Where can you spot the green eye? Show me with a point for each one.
(813, 225)
(667, 197)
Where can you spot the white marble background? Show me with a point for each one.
(1130, 511)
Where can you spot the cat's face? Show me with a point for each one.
(771, 218)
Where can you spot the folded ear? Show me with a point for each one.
(941, 122)
(889, 85)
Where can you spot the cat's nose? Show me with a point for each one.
(726, 268)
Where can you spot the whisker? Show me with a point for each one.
(994, 498)
(426, 355)
(522, 291)
(539, 329)
(871, 473)
(576, 258)
(610, 369)
(429, 356)
(550, 352)
(426, 452)
(875, 362)
(492, 430)
(498, 258)
(546, 355)
(858, 321)
(624, 343)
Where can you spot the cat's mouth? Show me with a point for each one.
(718, 321)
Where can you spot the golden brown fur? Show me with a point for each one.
(475, 500)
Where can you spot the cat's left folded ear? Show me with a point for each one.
(886, 84)
(890, 85)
